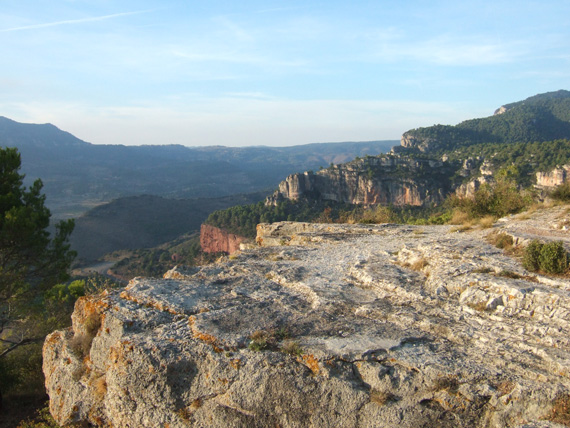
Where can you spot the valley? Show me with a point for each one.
(396, 276)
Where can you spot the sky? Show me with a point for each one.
(274, 73)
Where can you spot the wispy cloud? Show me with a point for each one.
(72, 21)
(449, 51)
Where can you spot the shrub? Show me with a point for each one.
(499, 200)
(42, 419)
(549, 258)
(562, 192)
(531, 255)
(553, 258)
(501, 240)
(504, 241)
(260, 341)
(291, 347)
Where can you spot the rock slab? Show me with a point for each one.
(322, 326)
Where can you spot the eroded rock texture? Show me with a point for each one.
(353, 326)
(556, 177)
(386, 180)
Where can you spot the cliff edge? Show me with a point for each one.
(387, 179)
(327, 325)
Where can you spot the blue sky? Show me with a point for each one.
(273, 72)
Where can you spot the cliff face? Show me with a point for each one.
(411, 141)
(326, 325)
(554, 178)
(375, 180)
(215, 240)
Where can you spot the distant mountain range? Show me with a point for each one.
(78, 175)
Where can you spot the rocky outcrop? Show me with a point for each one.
(322, 326)
(411, 141)
(501, 110)
(468, 190)
(387, 180)
(553, 178)
(215, 240)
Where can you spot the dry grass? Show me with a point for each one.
(505, 387)
(100, 387)
(463, 228)
(419, 264)
(560, 412)
(382, 398)
(448, 383)
(483, 270)
(487, 222)
(500, 240)
(479, 306)
(459, 217)
(81, 344)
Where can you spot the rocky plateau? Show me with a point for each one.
(328, 325)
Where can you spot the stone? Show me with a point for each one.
(216, 240)
(556, 177)
(324, 325)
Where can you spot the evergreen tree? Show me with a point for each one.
(31, 260)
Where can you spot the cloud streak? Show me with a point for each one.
(72, 21)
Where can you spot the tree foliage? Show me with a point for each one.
(543, 117)
(32, 260)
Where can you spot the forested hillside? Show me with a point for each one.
(542, 117)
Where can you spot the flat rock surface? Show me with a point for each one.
(327, 326)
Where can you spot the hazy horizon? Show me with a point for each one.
(272, 73)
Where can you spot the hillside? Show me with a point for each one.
(543, 117)
(143, 222)
(78, 175)
(432, 164)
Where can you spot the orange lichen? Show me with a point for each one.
(235, 363)
(205, 337)
(311, 362)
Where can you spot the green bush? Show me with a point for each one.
(531, 255)
(549, 258)
(562, 192)
(498, 200)
(43, 419)
(553, 258)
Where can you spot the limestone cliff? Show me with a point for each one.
(327, 326)
(215, 240)
(556, 177)
(387, 179)
(411, 141)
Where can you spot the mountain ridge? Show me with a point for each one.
(78, 175)
(542, 117)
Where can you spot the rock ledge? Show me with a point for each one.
(353, 326)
